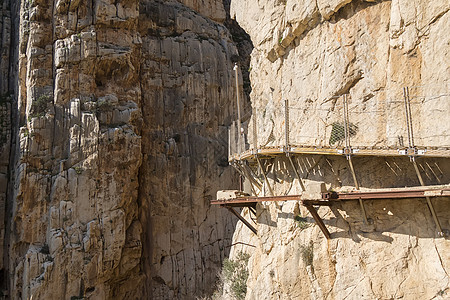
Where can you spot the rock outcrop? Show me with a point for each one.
(123, 108)
(114, 118)
(311, 53)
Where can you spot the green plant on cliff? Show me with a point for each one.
(40, 105)
(301, 222)
(307, 253)
(235, 274)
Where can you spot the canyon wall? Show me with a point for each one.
(311, 53)
(121, 111)
(114, 118)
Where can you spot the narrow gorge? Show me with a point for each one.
(119, 125)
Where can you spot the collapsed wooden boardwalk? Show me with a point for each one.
(329, 199)
(336, 134)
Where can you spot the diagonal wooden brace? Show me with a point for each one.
(265, 177)
(430, 204)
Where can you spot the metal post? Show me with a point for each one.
(238, 107)
(412, 157)
(346, 131)
(286, 124)
(255, 131)
(348, 154)
(408, 116)
(242, 219)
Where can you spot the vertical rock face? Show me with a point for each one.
(311, 53)
(5, 126)
(122, 111)
(74, 210)
(186, 81)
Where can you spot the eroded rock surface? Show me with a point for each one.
(122, 113)
(311, 53)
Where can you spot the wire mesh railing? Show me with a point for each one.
(416, 117)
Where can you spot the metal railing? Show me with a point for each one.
(419, 117)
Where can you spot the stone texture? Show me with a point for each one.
(6, 96)
(187, 86)
(120, 142)
(311, 53)
(122, 112)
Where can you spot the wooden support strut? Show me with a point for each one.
(430, 204)
(247, 170)
(265, 177)
(300, 181)
(242, 219)
(246, 175)
(348, 154)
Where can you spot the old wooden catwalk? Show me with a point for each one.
(332, 198)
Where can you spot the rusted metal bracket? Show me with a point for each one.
(318, 220)
(242, 219)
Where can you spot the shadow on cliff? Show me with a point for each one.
(385, 217)
(188, 100)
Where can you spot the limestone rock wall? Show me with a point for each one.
(311, 53)
(187, 83)
(6, 97)
(74, 208)
(121, 137)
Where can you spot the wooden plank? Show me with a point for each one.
(357, 151)
(252, 199)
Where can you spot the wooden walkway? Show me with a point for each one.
(331, 198)
(362, 151)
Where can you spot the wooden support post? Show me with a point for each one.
(429, 203)
(318, 220)
(265, 177)
(302, 185)
(250, 177)
(242, 219)
(348, 154)
(243, 174)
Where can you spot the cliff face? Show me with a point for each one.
(187, 86)
(113, 140)
(122, 108)
(311, 53)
